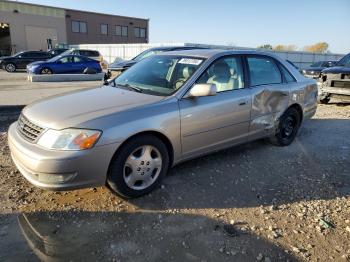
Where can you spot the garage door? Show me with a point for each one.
(37, 37)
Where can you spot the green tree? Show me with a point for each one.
(265, 46)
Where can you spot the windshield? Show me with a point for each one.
(159, 75)
(146, 54)
(17, 54)
(67, 52)
(317, 64)
(55, 58)
(345, 61)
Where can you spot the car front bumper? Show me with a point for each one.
(60, 170)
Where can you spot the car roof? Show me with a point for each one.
(207, 53)
(165, 48)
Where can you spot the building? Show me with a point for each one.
(25, 26)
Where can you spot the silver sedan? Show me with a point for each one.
(164, 110)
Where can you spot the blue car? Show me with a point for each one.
(68, 64)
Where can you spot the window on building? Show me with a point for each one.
(140, 32)
(137, 31)
(104, 29)
(124, 31)
(121, 30)
(79, 27)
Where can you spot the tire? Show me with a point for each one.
(10, 67)
(138, 166)
(288, 128)
(46, 71)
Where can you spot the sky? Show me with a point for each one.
(247, 23)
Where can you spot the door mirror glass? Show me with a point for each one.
(202, 90)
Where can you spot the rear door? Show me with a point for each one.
(216, 121)
(270, 94)
(65, 65)
(79, 64)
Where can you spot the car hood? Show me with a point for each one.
(5, 57)
(313, 68)
(122, 64)
(76, 108)
(336, 70)
(36, 63)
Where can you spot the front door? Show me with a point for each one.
(217, 121)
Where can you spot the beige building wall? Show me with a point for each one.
(33, 24)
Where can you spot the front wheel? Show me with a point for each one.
(138, 167)
(10, 68)
(45, 71)
(288, 128)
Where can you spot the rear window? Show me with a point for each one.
(89, 53)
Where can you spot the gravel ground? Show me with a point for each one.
(254, 202)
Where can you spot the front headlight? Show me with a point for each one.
(69, 139)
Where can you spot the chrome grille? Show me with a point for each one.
(27, 129)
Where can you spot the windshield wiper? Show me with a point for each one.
(135, 88)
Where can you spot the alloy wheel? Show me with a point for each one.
(142, 167)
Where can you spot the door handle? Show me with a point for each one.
(242, 103)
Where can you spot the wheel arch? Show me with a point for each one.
(299, 108)
(156, 134)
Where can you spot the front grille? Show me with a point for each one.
(27, 129)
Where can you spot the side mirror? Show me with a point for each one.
(202, 90)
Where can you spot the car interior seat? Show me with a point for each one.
(223, 77)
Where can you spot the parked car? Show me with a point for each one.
(314, 70)
(22, 59)
(93, 54)
(57, 51)
(117, 67)
(166, 109)
(68, 64)
(335, 81)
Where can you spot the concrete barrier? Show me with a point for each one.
(66, 77)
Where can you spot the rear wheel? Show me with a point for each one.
(46, 71)
(138, 166)
(10, 67)
(288, 128)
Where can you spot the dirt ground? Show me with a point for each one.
(254, 202)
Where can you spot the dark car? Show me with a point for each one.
(335, 81)
(115, 68)
(69, 64)
(57, 51)
(22, 59)
(314, 70)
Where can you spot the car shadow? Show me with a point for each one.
(315, 166)
(123, 236)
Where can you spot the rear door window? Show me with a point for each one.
(287, 75)
(263, 71)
